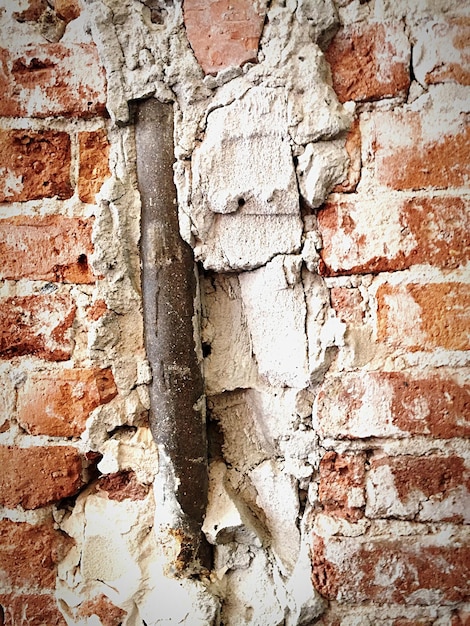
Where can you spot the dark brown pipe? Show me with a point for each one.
(169, 290)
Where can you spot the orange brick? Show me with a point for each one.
(34, 165)
(441, 52)
(360, 239)
(37, 325)
(58, 403)
(341, 488)
(30, 609)
(424, 317)
(94, 168)
(35, 477)
(369, 61)
(52, 248)
(29, 555)
(418, 570)
(393, 404)
(46, 80)
(223, 33)
(414, 151)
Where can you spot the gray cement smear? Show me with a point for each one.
(253, 146)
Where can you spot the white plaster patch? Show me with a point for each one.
(321, 166)
(278, 499)
(275, 307)
(230, 364)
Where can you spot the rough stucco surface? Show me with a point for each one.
(329, 233)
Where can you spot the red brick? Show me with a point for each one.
(94, 167)
(108, 613)
(421, 150)
(37, 325)
(52, 248)
(417, 570)
(96, 310)
(32, 12)
(46, 80)
(29, 555)
(34, 165)
(67, 10)
(359, 238)
(58, 403)
(35, 477)
(393, 404)
(353, 146)
(31, 610)
(223, 33)
(461, 618)
(441, 52)
(341, 488)
(122, 486)
(428, 488)
(347, 303)
(369, 61)
(424, 317)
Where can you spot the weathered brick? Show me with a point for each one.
(418, 570)
(353, 146)
(223, 33)
(419, 150)
(461, 617)
(35, 477)
(369, 61)
(45, 80)
(52, 248)
(342, 482)
(429, 488)
(34, 165)
(347, 303)
(32, 12)
(122, 486)
(37, 325)
(97, 310)
(29, 555)
(108, 613)
(358, 238)
(441, 52)
(393, 404)
(94, 167)
(58, 403)
(68, 10)
(30, 610)
(424, 317)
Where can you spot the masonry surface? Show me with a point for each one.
(322, 176)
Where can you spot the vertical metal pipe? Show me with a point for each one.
(169, 290)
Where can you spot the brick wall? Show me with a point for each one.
(394, 412)
(54, 158)
(334, 322)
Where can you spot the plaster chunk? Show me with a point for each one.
(251, 596)
(229, 364)
(278, 499)
(320, 167)
(244, 162)
(244, 167)
(226, 519)
(275, 307)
